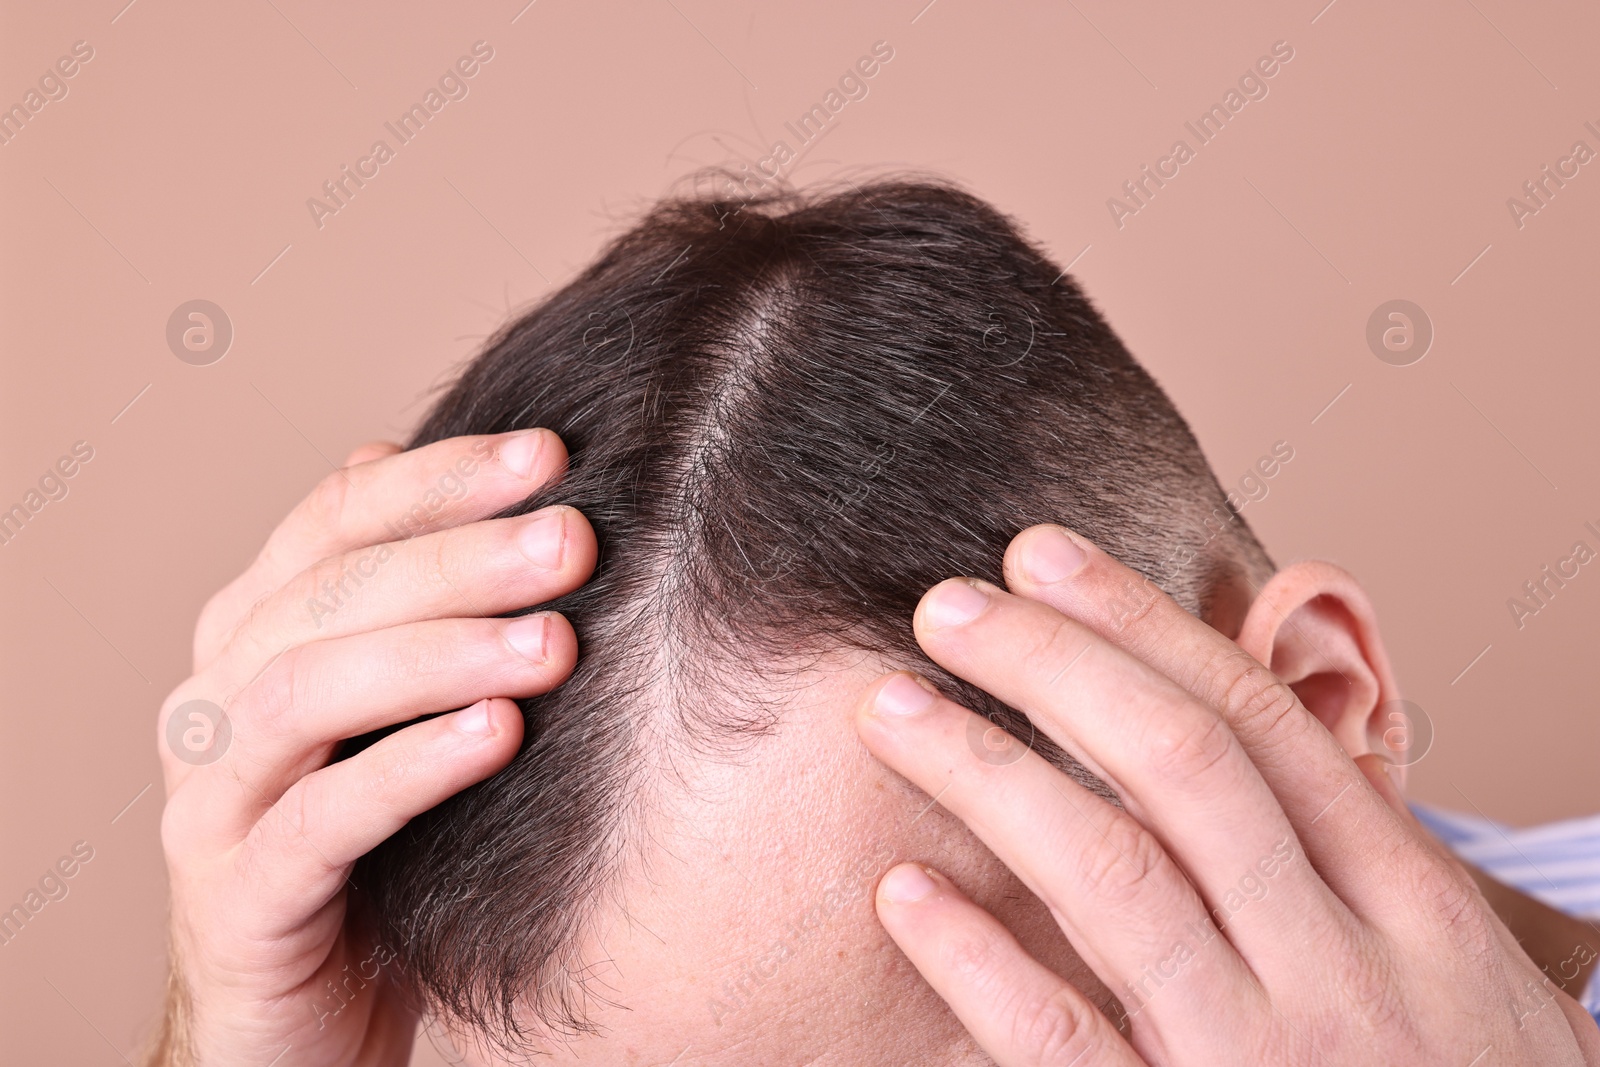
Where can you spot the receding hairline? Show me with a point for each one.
(698, 448)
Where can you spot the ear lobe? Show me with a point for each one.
(1313, 625)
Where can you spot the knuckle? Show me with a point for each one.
(269, 701)
(211, 626)
(1118, 861)
(1187, 744)
(1163, 629)
(323, 584)
(250, 634)
(1456, 908)
(1308, 1041)
(177, 833)
(1137, 597)
(394, 772)
(295, 816)
(973, 958)
(439, 557)
(325, 505)
(1050, 1031)
(290, 824)
(1253, 698)
(1371, 992)
(439, 650)
(438, 551)
(175, 699)
(195, 687)
(226, 618)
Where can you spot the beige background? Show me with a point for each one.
(179, 164)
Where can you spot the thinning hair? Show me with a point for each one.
(787, 417)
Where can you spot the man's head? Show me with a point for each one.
(787, 418)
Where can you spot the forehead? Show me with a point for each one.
(745, 922)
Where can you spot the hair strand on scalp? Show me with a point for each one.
(787, 418)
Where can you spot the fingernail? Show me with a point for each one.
(544, 540)
(906, 884)
(527, 635)
(901, 695)
(518, 453)
(474, 720)
(1052, 556)
(954, 603)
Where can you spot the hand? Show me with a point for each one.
(1261, 898)
(369, 606)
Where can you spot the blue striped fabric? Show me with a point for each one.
(1558, 862)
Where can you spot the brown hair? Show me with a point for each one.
(787, 418)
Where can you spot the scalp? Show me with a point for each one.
(786, 419)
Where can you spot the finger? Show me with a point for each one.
(1582, 1025)
(370, 451)
(1344, 829)
(300, 853)
(1172, 760)
(1016, 1008)
(483, 568)
(410, 493)
(390, 498)
(287, 723)
(1117, 894)
(1377, 771)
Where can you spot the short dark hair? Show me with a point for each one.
(787, 417)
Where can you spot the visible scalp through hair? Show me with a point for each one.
(787, 417)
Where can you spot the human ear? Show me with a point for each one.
(1314, 626)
